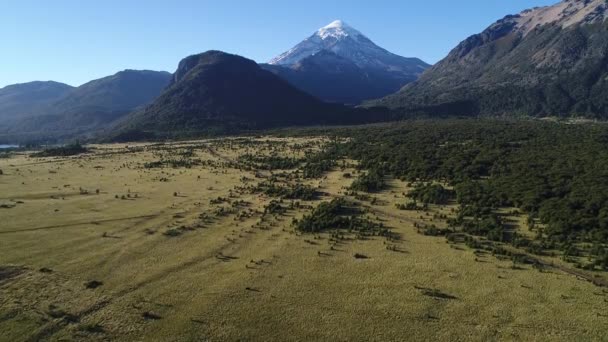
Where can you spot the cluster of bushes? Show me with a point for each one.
(431, 194)
(338, 214)
(372, 181)
(316, 165)
(316, 169)
(488, 224)
(274, 208)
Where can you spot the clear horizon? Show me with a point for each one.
(72, 42)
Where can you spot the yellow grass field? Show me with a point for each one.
(100, 247)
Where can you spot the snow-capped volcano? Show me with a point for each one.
(340, 64)
(330, 37)
(345, 41)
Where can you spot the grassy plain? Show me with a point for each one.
(102, 246)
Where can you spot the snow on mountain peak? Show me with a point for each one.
(337, 29)
(342, 40)
(335, 24)
(337, 36)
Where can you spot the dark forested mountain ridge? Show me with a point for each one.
(547, 61)
(216, 90)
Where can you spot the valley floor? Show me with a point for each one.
(111, 246)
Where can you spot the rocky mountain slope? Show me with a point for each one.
(546, 61)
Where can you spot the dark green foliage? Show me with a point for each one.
(317, 164)
(434, 293)
(371, 181)
(338, 214)
(93, 284)
(317, 169)
(274, 207)
(62, 151)
(488, 225)
(360, 256)
(431, 194)
(174, 232)
(556, 172)
(149, 315)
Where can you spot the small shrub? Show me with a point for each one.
(173, 232)
(93, 328)
(151, 315)
(93, 284)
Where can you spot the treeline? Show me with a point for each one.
(62, 151)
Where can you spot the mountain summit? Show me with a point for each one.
(565, 14)
(337, 37)
(340, 64)
(545, 61)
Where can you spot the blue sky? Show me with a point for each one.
(76, 41)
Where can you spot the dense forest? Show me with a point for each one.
(555, 173)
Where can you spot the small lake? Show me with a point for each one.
(3, 147)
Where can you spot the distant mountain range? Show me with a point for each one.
(340, 64)
(47, 107)
(546, 61)
(216, 91)
(22, 100)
